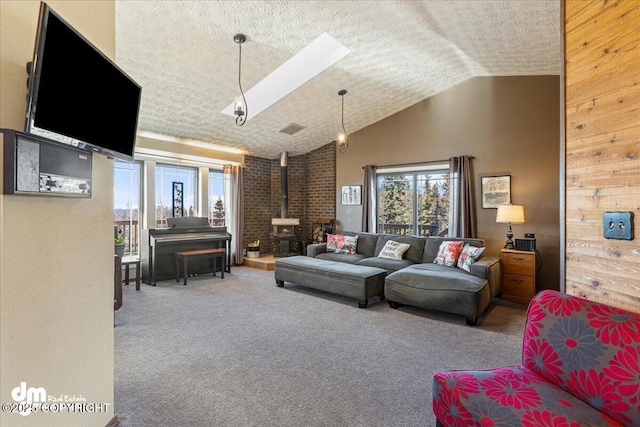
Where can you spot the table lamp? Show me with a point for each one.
(511, 214)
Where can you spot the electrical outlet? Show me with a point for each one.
(618, 225)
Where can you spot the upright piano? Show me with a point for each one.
(159, 246)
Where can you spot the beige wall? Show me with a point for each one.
(56, 288)
(510, 124)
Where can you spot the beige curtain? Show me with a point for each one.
(234, 210)
(462, 212)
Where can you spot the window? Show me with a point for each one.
(165, 177)
(216, 198)
(126, 203)
(414, 202)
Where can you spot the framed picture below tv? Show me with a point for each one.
(77, 95)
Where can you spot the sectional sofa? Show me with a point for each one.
(413, 280)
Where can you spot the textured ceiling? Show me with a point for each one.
(183, 55)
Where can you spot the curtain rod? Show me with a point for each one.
(417, 163)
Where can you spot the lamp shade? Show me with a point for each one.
(510, 213)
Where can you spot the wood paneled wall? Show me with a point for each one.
(602, 97)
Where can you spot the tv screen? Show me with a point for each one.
(77, 95)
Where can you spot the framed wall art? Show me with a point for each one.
(496, 191)
(352, 194)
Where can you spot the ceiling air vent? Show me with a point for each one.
(292, 128)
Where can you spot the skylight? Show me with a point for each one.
(319, 55)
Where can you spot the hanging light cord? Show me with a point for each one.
(344, 147)
(343, 129)
(239, 120)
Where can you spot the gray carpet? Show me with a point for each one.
(243, 352)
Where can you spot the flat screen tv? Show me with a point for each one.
(77, 95)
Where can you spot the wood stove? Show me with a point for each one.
(285, 236)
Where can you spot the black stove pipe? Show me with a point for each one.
(284, 185)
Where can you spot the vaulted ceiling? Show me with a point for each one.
(183, 55)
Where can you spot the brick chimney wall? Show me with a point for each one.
(312, 181)
(320, 186)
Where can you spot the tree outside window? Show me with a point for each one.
(395, 193)
(216, 198)
(433, 203)
(413, 203)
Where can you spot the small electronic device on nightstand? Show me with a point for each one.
(527, 244)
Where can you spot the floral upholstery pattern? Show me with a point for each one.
(580, 367)
(469, 255)
(341, 244)
(448, 253)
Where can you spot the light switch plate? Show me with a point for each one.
(618, 225)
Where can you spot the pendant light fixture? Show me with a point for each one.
(240, 106)
(343, 139)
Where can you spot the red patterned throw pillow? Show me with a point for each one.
(469, 255)
(341, 244)
(448, 253)
(332, 242)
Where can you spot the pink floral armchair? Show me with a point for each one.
(580, 367)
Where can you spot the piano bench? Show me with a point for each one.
(214, 254)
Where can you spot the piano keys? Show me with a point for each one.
(158, 247)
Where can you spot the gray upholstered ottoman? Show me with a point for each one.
(354, 281)
(436, 287)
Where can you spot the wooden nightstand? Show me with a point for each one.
(518, 275)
